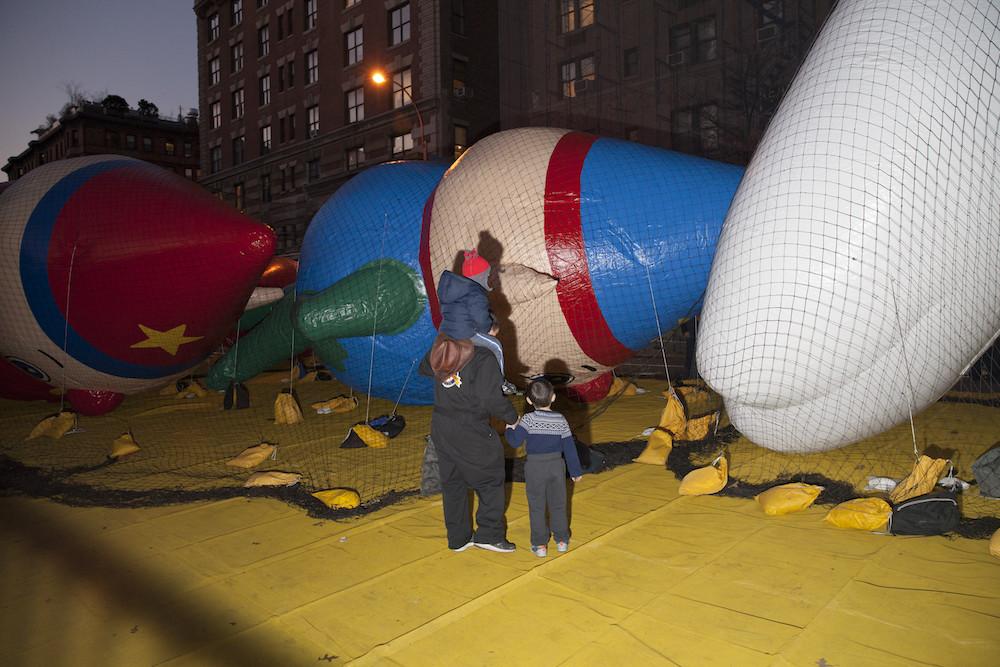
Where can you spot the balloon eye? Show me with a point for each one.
(33, 371)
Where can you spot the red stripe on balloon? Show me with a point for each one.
(425, 261)
(568, 254)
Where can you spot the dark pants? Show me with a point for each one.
(470, 457)
(545, 486)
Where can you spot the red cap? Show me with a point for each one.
(474, 264)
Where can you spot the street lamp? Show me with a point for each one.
(379, 78)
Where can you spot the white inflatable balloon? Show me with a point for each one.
(856, 277)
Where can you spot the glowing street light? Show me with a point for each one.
(379, 78)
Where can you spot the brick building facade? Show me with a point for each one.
(90, 129)
(699, 76)
(289, 110)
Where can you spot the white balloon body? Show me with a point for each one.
(856, 277)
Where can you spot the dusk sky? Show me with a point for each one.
(134, 48)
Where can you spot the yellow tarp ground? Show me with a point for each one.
(651, 578)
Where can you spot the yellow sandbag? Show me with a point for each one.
(286, 409)
(169, 390)
(192, 390)
(860, 513)
(370, 436)
(698, 429)
(703, 481)
(923, 479)
(657, 448)
(339, 498)
(995, 544)
(673, 418)
(253, 456)
(620, 387)
(273, 478)
(123, 446)
(787, 498)
(338, 404)
(690, 393)
(54, 426)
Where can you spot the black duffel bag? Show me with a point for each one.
(933, 513)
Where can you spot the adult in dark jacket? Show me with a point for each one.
(470, 454)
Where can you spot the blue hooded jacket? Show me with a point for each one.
(465, 306)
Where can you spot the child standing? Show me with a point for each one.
(465, 308)
(547, 440)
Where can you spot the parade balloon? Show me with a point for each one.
(117, 276)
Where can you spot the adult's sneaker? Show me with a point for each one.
(503, 546)
(463, 547)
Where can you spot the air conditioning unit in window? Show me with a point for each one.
(767, 33)
(677, 58)
(462, 91)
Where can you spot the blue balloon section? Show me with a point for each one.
(643, 207)
(376, 214)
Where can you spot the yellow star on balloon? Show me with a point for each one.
(169, 340)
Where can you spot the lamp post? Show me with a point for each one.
(379, 78)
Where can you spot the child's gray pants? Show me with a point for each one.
(545, 485)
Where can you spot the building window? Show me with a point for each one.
(402, 88)
(263, 41)
(354, 157)
(216, 115)
(290, 66)
(188, 149)
(312, 120)
(350, 3)
(130, 141)
(693, 42)
(111, 139)
(238, 100)
(576, 76)
(238, 198)
(264, 89)
(630, 64)
(216, 160)
(458, 17)
(771, 12)
(265, 140)
(461, 140)
(401, 143)
(575, 14)
(354, 46)
(312, 67)
(214, 69)
(239, 149)
(147, 144)
(261, 4)
(458, 76)
(169, 147)
(310, 14)
(632, 134)
(189, 173)
(399, 24)
(236, 57)
(213, 27)
(265, 188)
(696, 129)
(237, 12)
(291, 127)
(355, 101)
(281, 78)
(312, 170)
(289, 24)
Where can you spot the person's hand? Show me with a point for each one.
(514, 425)
(576, 479)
